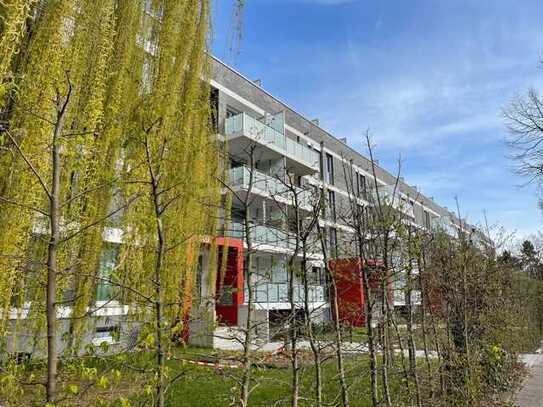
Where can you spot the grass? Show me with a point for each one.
(215, 387)
(207, 386)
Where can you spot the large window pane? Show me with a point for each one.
(108, 262)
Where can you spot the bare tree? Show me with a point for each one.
(330, 272)
(246, 201)
(358, 218)
(308, 246)
(524, 120)
(303, 227)
(294, 224)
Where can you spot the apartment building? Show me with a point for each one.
(273, 153)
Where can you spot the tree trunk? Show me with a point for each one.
(54, 218)
(368, 312)
(159, 315)
(337, 325)
(339, 342)
(313, 343)
(385, 343)
(424, 305)
(410, 336)
(247, 356)
(293, 328)
(160, 253)
(385, 320)
(293, 334)
(402, 356)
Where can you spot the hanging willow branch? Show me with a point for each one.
(130, 64)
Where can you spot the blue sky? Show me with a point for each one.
(428, 78)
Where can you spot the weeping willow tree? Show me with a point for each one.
(105, 124)
(14, 15)
(54, 112)
(170, 152)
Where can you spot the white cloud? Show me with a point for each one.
(430, 86)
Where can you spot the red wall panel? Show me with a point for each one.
(350, 290)
(232, 281)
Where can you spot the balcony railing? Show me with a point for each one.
(390, 195)
(267, 185)
(445, 224)
(241, 176)
(278, 293)
(245, 125)
(262, 235)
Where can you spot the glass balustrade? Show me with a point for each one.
(278, 293)
(445, 224)
(235, 230)
(241, 177)
(390, 195)
(245, 125)
(261, 235)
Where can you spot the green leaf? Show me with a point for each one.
(149, 340)
(104, 346)
(73, 389)
(116, 373)
(124, 402)
(102, 382)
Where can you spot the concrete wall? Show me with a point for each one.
(259, 321)
(27, 339)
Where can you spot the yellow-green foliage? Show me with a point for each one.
(135, 68)
(174, 122)
(30, 125)
(13, 17)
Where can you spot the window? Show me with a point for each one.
(321, 166)
(332, 205)
(361, 186)
(427, 220)
(231, 112)
(108, 263)
(278, 270)
(199, 271)
(316, 277)
(333, 242)
(329, 169)
(214, 107)
(230, 122)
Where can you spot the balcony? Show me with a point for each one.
(278, 293)
(262, 235)
(242, 129)
(445, 224)
(267, 186)
(391, 196)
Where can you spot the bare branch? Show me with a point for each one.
(28, 163)
(29, 207)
